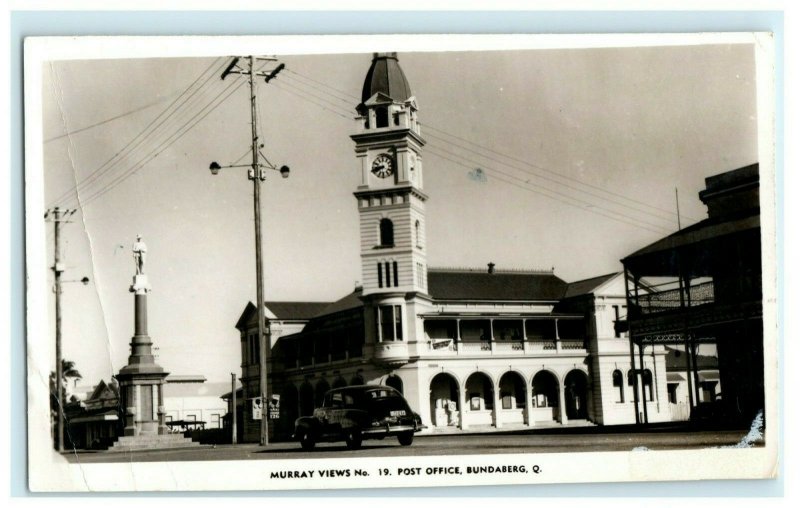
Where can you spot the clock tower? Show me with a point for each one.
(391, 203)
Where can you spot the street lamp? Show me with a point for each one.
(257, 172)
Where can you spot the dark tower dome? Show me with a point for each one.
(385, 76)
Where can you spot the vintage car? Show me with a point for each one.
(356, 413)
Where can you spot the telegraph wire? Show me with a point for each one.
(277, 85)
(435, 144)
(541, 168)
(108, 120)
(640, 225)
(130, 146)
(149, 133)
(233, 87)
(544, 177)
(348, 96)
(515, 159)
(142, 136)
(594, 209)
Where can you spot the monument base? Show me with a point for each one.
(151, 442)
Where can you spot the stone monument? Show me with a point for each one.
(141, 381)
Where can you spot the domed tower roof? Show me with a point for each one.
(385, 76)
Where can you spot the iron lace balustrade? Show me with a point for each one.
(670, 299)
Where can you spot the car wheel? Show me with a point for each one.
(406, 438)
(353, 439)
(307, 441)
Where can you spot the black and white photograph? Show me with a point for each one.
(387, 261)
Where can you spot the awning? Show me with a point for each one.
(708, 375)
(675, 376)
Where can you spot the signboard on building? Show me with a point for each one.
(256, 408)
(275, 407)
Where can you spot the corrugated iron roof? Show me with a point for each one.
(348, 302)
(475, 285)
(587, 286)
(296, 310)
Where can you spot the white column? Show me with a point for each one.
(529, 405)
(496, 395)
(462, 407)
(558, 339)
(562, 404)
(137, 395)
(154, 397)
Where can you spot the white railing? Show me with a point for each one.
(475, 347)
(485, 347)
(509, 347)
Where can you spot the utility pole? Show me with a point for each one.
(257, 175)
(58, 216)
(233, 408)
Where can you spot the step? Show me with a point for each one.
(152, 442)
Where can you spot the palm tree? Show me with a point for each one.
(68, 371)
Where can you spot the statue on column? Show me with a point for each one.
(139, 254)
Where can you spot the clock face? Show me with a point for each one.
(382, 166)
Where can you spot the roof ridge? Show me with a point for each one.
(529, 271)
(595, 277)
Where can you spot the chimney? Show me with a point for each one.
(491, 267)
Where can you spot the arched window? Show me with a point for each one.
(387, 233)
(619, 385)
(395, 382)
(416, 234)
(647, 382)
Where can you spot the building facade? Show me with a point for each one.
(702, 286)
(467, 347)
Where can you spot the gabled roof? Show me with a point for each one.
(285, 311)
(296, 310)
(500, 285)
(348, 302)
(103, 391)
(588, 286)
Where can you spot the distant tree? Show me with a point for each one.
(68, 371)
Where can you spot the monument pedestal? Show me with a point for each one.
(141, 384)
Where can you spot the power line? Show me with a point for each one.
(166, 144)
(141, 136)
(579, 206)
(544, 177)
(521, 161)
(175, 136)
(541, 168)
(551, 190)
(327, 86)
(108, 120)
(150, 131)
(313, 102)
(638, 222)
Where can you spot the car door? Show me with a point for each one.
(323, 416)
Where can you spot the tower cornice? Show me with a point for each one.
(405, 189)
(386, 135)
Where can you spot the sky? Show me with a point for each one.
(537, 159)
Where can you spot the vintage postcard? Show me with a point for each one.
(391, 261)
